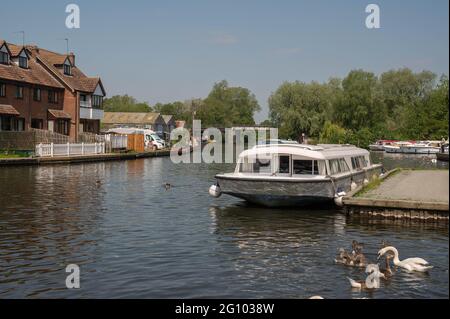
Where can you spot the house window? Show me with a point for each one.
(62, 127)
(67, 69)
(5, 123)
(23, 62)
(37, 94)
(4, 57)
(19, 92)
(97, 101)
(19, 124)
(53, 97)
(2, 90)
(37, 123)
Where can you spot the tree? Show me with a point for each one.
(333, 134)
(179, 110)
(358, 106)
(125, 103)
(402, 92)
(227, 106)
(298, 108)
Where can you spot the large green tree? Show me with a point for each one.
(125, 103)
(362, 107)
(227, 106)
(298, 108)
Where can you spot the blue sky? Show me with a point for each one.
(162, 51)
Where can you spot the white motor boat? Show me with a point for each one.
(420, 148)
(294, 174)
(396, 147)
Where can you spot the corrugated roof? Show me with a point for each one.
(130, 118)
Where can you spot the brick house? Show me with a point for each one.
(46, 90)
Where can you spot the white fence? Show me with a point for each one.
(69, 149)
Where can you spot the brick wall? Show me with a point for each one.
(71, 107)
(27, 107)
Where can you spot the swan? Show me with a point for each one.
(372, 281)
(344, 258)
(358, 257)
(410, 264)
(388, 272)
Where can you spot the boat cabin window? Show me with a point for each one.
(246, 166)
(262, 166)
(338, 166)
(255, 165)
(284, 167)
(309, 167)
(359, 162)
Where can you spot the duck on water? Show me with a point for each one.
(289, 174)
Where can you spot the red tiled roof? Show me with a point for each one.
(45, 68)
(35, 74)
(77, 81)
(8, 110)
(59, 114)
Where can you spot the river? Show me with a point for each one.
(132, 238)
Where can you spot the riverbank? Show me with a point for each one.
(410, 194)
(27, 161)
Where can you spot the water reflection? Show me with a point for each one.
(297, 248)
(133, 238)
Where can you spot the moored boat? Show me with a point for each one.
(396, 147)
(378, 146)
(420, 148)
(294, 174)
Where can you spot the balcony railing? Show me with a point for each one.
(85, 104)
(91, 113)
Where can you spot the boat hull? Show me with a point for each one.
(376, 148)
(442, 157)
(419, 150)
(288, 192)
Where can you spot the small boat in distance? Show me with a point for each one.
(396, 147)
(378, 146)
(288, 174)
(425, 147)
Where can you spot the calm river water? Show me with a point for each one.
(132, 238)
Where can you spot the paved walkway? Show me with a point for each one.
(422, 186)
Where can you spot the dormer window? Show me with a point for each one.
(4, 55)
(23, 62)
(67, 68)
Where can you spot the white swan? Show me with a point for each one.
(410, 264)
(372, 281)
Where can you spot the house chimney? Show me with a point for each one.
(33, 48)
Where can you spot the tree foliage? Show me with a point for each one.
(226, 106)
(362, 107)
(125, 103)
